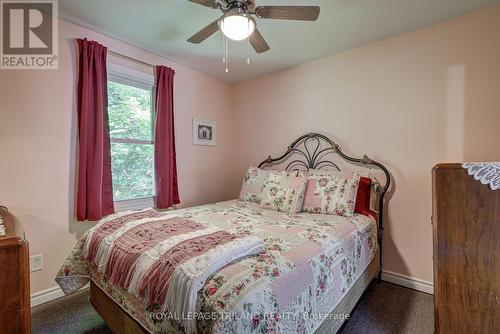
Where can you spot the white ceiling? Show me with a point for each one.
(163, 26)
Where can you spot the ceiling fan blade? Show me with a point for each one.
(258, 42)
(302, 13)
(204, 33)
(206, 3)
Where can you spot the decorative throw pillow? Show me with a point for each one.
(365, 192)
(283, 193)
(254, 180)
(363, 196)
(332, 194)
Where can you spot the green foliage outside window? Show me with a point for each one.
(130, 120)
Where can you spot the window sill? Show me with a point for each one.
(134, 204)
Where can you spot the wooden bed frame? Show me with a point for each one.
(117, 319)
(310, 151)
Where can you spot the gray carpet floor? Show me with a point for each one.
(385, 308)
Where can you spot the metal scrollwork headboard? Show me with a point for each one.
(311, 151)
(314, 151)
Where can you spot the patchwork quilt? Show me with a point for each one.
(229, 267)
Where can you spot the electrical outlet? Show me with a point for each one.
(36, 262)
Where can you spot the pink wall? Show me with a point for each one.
(410, 101)
(38, 146)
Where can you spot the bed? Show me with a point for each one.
(308, 277)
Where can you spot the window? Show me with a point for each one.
(131, 128)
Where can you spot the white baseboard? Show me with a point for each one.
(47, 295)
(408, 282)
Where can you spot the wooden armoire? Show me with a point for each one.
(466, 231)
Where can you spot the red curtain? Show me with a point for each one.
(95, 190)
(167, 193)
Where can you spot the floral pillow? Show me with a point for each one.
(331, 194)
(254, 181)
(283, 193)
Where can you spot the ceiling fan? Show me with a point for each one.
(238, 23)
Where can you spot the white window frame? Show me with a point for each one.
(127, 76)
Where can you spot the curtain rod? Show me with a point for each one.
(130, 58)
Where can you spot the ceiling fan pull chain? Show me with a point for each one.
(227, 55)
(223, 48)
(248, 43)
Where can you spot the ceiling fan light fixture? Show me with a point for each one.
(237, 26)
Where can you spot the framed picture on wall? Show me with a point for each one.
(204, 132)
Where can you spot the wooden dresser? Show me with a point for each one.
(15, 316)
(466, 228)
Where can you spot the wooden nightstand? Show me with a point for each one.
(14, 278)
